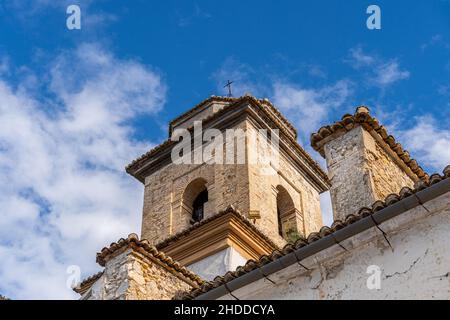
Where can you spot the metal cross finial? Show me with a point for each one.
(229, 88)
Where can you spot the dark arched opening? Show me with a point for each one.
(195, 196)
(198, 206)
(286, 214)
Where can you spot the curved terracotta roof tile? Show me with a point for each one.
(378, 205)
(324, 231)
(265, 105)
(250, 265)
(405, 191)
(364, 212)
(240, 271)
(133, 239)
(300, 243)
(200, 105)
(391, 199)
(288, 249)
(363, 117)
(229, 210)
(447, 171)
(87, 283)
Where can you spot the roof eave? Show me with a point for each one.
(353, 225)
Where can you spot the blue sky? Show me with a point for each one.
(77, 105)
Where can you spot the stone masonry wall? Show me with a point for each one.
(244, 186)
(131, 276)
(361, 172)
(264, 180)
(163, 213)
(387, 176)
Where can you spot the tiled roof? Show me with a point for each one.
(315, 236)
(229, 209)
(363, 118)
(199, 106)
(140, 161)
(87, 283)
(154, 250)
(233, 100)
(263, 104)
(135, 164)
(133, 241)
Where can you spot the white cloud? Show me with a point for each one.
(4, 65)
(358, 58)
(63, 191)
(245, 79)
(379, 71)
(389, 72)
(308, 108)
(317, 71)
(436, 40)
(429, 142)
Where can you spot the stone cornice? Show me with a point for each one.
(245, 105)
(84, 286)
(264, 103)
(371, 124)
(143, 247)
(198, 108)
(228, 228)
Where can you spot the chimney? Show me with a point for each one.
(364, 162)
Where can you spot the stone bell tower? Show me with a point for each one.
(241, 207)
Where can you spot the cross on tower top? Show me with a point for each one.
(230, 94)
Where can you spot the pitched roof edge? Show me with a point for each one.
(87, 283)
(229, 210)
(325, 231)
(232, 100)
(138, 162)
(133, 240)
(198, 106)
(362, 117)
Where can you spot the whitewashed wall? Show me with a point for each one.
(418, 268)
(218, 264)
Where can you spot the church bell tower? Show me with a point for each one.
(212, 215)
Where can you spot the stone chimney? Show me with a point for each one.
(364, 163)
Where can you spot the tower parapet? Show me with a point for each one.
(364, 162)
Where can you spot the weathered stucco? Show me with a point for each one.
(131, 276)
(361, 171)
(217, 264)
(417, 268)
